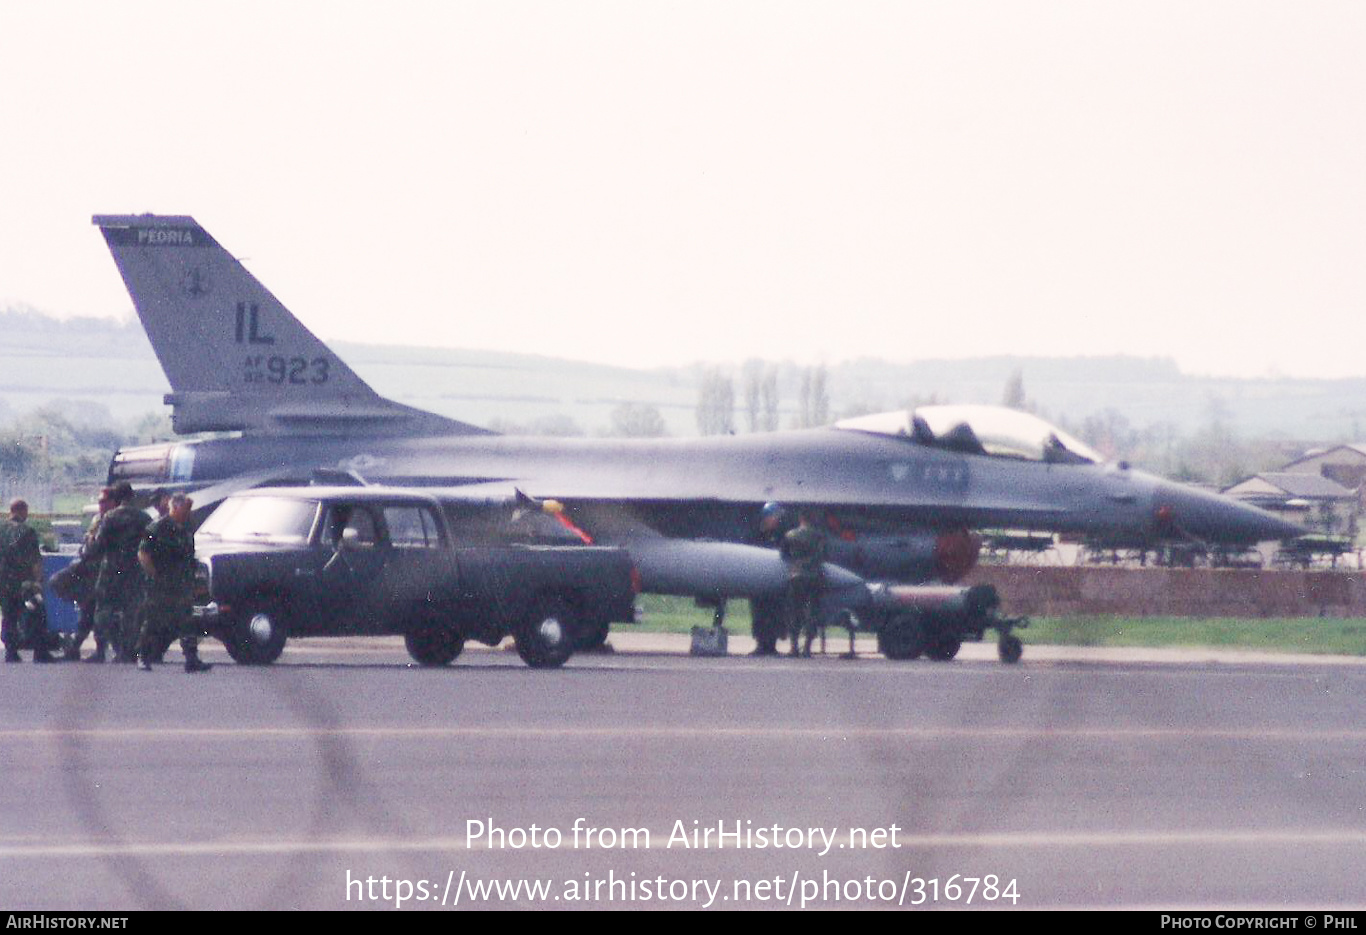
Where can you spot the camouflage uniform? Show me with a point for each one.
(768, 615)
(169, 603)
(18, 554)
(86, 605)
(803, 550)
(118, 590)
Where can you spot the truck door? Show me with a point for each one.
(356, 555)
(422, 578)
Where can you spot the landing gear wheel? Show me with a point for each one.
(546, 638)
(258, 633)
(1010, 649)
(431, 644)
(943, 648)
(591, 636)
(902, 637)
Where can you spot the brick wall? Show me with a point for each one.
(1054, 591)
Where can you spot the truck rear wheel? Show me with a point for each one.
(432, 644)
(545, 639)
(258, 633)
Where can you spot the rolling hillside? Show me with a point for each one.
(110, 364)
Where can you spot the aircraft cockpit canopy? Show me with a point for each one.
(983, 430)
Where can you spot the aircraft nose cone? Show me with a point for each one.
(1179, 509)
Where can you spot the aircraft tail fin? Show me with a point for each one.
(237, 359)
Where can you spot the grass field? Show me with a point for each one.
(1295, 635)
(1290, 635)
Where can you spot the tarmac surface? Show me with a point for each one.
(343, 777)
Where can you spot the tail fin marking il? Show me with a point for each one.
(235, 357)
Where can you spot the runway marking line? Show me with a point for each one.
(634, 732)
(1022, 839)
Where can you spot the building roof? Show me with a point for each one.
(1356, 449)
(1300, 486)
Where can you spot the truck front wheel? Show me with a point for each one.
(258, 632)
(545, 639)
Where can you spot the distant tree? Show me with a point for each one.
(716, 404)
(152, 427)
(66, 444)
(557, 425)
(637, 420)
(754, 381)
(813, 400)
(18, 454)
(859, 407)
(506, 426)
(1108, 431)
(820, 397)
(1014, 396)
(768, 402)
(70, 425)
(761, 396)
(1214, 454)
(915, 400)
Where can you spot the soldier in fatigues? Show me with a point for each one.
(768, 615)
(803, 550)
(118, 590)
(158, 505)
(167, 556)
(21, 567)
(85, 624)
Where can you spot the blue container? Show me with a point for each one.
(62, 616)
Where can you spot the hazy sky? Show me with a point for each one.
(658, 182)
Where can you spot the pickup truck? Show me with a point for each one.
(347, 561)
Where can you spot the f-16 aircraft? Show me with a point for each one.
(899, 492)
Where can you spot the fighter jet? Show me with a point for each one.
(900, 492)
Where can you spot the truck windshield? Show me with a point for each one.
(261, 519)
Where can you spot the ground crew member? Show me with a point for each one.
(803, 551)
(160, 502)
(21, 568)
(767, 624)
(167, 556)
(158, 505)
(118, 590)
(86, 622)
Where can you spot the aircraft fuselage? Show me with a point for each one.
(714, 487)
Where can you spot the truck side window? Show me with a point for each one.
(344, 516)
(411, 527)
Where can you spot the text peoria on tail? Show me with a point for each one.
(900, 491)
